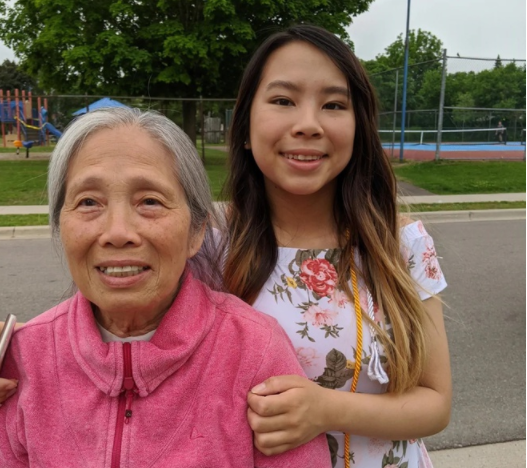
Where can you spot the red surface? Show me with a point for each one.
(419, 155)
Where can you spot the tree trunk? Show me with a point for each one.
(189, 119)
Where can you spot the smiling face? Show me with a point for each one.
(125, 223)
(302, 122)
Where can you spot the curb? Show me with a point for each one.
(474, 215)
(430, 217)
(25, 232)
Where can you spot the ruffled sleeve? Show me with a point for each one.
(419, 253)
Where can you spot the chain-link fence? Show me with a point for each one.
(454, 100)
(24, 116)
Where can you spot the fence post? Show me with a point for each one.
(441, 107)
(202, 129)
(405, 81)
(395, 108)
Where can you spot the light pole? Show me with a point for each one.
(405, 81)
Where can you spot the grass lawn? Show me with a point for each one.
(42, 219)
(34, 149)
(23, 182)
(464, 177)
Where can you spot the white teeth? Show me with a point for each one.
(122, 271)
(302, 157)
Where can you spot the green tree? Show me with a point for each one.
(423, 47)
(169, 48)
(12, 77)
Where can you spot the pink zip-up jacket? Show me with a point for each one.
(176, 401)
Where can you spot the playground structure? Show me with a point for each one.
(21, 124)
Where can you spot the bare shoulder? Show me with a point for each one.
(405, 220)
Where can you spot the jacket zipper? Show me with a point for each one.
(124, 411)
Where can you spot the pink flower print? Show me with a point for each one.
(424, 460)
(376, 314)
(319, 276)
(307, 357)
(319, 317)
(339, 297)
(432, 268)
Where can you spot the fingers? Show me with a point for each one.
(278, 384)
(273, 405)
(269, 424)
(261, 444)
(7, 388)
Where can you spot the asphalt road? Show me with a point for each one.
(484, 263)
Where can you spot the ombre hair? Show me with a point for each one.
(188, 170)
(364, 208)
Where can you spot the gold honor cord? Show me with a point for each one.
(358, 355)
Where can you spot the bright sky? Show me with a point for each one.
(474, 28)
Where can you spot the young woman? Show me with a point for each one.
(314, 239)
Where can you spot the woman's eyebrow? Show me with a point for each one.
(293, 87)
(337, 90)
(282, 84)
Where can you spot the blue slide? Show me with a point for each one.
(51, 129)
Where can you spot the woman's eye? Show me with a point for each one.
(150, 202)
(334, 106)
(88, 202)
(283, 102)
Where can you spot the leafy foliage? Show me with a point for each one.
(502, 86)
(170, 48)
(12, 77)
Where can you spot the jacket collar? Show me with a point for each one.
(181, 331)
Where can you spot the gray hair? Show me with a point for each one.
(188, 170)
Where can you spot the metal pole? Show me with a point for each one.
(202, 130)
(405, 80)
(395, 108)
(441, 107)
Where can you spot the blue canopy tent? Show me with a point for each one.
(104, 102)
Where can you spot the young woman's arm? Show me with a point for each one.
(289, 411)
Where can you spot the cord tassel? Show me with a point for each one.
(375, 369)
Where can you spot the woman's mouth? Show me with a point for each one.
(303, 157)
(121, 271)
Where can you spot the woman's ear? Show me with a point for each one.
(196, 240)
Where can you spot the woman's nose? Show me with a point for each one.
(119, 227)
(308, 123)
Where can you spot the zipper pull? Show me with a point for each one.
(129, 386)
(128, 411)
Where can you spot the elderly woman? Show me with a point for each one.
(146, 365)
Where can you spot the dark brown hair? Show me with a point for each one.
(365, 209)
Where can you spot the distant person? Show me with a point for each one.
(501, 133)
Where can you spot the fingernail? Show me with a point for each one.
(10, 386)
(258, 388)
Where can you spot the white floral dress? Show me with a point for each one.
(302, 295)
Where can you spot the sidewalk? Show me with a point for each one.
(411, 199)
(32, 232)
(506, 454)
